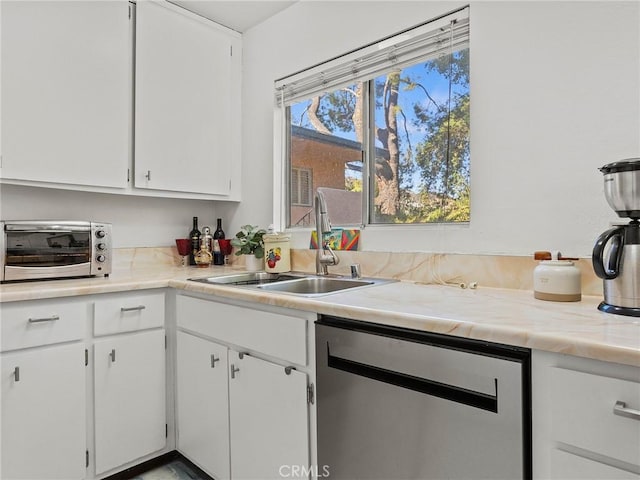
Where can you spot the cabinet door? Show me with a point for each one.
(43, 426)
(269, 419)
(184, 105)
(202, 404)
(129, 390)
(567, 466)
(66, 92)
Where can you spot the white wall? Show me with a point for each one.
(137, 221)
(555, 95)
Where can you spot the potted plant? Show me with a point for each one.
(249, 242)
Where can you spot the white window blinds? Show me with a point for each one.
(427, 41)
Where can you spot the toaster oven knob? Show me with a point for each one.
(100, 258)
(100, 233)
(101, 246)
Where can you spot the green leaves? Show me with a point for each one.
(249, 241)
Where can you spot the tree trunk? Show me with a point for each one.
(357, 113)
(388, 187)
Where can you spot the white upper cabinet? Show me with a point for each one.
(187, 80)
(66, 92)
(70, 74)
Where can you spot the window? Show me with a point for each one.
(301, 183)
(388, 123)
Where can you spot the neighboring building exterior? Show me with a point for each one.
(321, 160)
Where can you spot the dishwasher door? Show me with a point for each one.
(395, 403)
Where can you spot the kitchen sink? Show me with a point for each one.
(249, 278)
(315, 285)
(307, 285)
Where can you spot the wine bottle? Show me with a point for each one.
(218, 257)
(219, 233)
(194, 235)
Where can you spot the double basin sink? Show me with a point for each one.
(300, 284)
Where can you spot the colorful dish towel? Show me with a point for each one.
(338, 239)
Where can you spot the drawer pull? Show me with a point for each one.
(620, 408)
(214, 360)
(287, 370)
(16, 374)
(52, 318)
(132, 309)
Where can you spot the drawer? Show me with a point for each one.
(567, 466)
(34, 323)
(128, 313)
(280, 335)
(583, 413)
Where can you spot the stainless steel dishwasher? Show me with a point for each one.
(395, 403)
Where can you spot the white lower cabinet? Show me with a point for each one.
(243, 413)
(43, 424)
(43, 390)
(569, 466)
(586, 419)
(269, 418)
(203, 403)
(129, 391)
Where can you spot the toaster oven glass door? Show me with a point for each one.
(43, 248)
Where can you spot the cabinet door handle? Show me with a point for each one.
(620, 408)
(132, 309)
(16, 374)
(112, 355)
(214, 360)
(287, 370)
(52, 318)
(148, 175)
(234, 370)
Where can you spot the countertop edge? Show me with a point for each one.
(340, 305)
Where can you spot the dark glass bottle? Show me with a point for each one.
(218, 257)
(194, 235)
(219, 233)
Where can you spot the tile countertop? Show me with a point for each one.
(505, 316)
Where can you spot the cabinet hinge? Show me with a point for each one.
(86, 458)
(310, 394)
(86, 357)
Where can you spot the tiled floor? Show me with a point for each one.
(175, 470)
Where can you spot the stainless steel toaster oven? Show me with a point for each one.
(44, 249)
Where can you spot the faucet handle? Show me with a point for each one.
(355, 271)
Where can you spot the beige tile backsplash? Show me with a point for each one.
(495, 271)
(487, 270)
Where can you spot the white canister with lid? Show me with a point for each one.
(277, 252)
(557, 281)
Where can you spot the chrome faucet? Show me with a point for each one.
(323, 225)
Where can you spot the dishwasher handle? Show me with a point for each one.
(445, 391)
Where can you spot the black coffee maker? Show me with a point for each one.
(616, 254)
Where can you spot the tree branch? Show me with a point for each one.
(312, 112)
